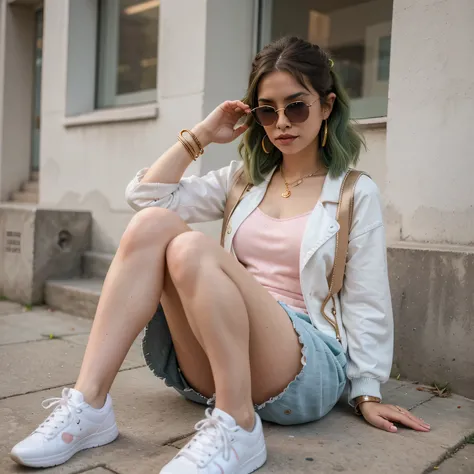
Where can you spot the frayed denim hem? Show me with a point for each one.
(308, 397)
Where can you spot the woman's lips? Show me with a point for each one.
(286, 140)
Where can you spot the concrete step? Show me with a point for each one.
(31, 186)
(96, 264)
(78, 296)
(25, 196)
(34, 176)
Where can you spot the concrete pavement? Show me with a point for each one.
(41, 351)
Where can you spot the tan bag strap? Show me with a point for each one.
(344, 216)
(237, 191)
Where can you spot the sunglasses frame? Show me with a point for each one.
(253, 111)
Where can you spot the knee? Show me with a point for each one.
(151, 227)
(185, 254)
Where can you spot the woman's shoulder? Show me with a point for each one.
(368, 213)
(366, 188)
(366, 184)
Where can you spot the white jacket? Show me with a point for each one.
(364, 310)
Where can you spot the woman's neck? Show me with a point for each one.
(305, 162)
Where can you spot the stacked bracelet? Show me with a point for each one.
(196, 140)
(189, 145)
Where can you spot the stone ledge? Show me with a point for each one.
(432, 294)
(37, 244)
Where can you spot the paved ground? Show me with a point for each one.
(41, 351)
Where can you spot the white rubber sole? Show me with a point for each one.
(91, 441)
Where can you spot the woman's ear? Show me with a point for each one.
(328, 105)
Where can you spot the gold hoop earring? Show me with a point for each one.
(264, 147)
(325, 136)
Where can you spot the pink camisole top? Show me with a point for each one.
(269, 249)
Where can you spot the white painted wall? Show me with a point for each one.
(17, 30)
(430, 162)
(88, 167)
(374, 162)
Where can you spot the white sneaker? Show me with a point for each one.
(73, 426)
(221, 447)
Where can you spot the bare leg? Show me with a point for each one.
(249, 340)
(131, 293)
(188, 350)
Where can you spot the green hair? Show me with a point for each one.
(307, 63)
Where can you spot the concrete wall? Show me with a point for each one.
(374, 160)
(17, 29)
(430, 161)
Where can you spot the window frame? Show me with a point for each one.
(107, 62)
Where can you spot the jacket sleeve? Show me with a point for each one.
(194, 198)
(365, 297)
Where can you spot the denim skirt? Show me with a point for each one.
(310, 396)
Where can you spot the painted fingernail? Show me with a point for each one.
(393, 429)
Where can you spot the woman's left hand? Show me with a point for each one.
(383, 416)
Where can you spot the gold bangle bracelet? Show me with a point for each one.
(363, 399)
(188, 147)
(195, 138)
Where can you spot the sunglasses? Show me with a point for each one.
(296, 112)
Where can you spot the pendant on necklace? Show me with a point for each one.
(286, 194)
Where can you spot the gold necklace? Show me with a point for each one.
(287, 193)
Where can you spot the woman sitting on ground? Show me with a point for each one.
(243, 329)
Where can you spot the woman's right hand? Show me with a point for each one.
(218, 126)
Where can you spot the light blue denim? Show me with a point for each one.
(309, 397)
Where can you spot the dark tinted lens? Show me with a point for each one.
(265, 115)
(297, 112)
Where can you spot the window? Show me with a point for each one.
(356, 33)
(127, 52)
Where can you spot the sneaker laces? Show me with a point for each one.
(212, 437)
(64, 409)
